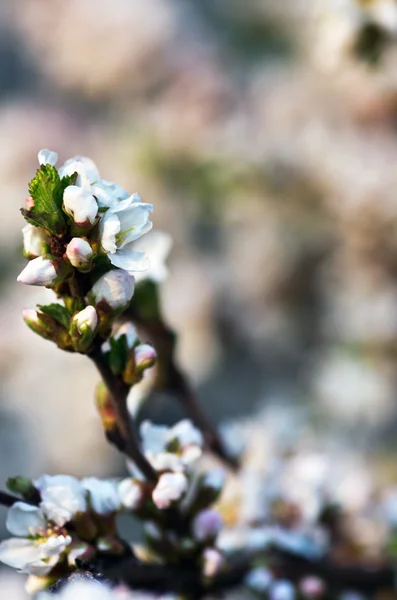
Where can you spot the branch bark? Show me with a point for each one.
(128, 440)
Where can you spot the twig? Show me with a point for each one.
(187, 580)
(171, 378)
(8, 499)
(119, 392)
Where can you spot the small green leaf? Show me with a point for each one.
(57, 312)
(46, 189)
(118, 354)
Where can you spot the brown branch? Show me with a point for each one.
(187, 579)
(171, 378)
(8, 499)
(127, 439)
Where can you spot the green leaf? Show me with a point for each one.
(57, 312)
(46, 189)
(118, 354)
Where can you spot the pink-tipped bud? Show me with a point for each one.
(312, 587)
(212, 562)
(86, 319)
(169, 489)
(145, 356)
(80, 254)
(114, 289)
(38, 271)
(83, 327)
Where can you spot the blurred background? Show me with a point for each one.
(265, 134)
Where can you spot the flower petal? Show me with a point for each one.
(104, 496)
(18, 553)
(109, 228)
(129, 260)
(47, 157)
(24, 519)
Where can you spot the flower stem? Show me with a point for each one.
(126, 428)
(8, 499)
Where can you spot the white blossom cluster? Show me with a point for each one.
(93, 590)
(76, 519)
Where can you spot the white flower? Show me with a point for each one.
(62, 497)
(212, 562)
(38, 555)
(80, 204)
(79, 252)
(156, 245)
(170, 488)
(108, 193)
(86, 169)
(186, 434)
(82, 590)
(282, 590)
(104, 496)
(207, 524)
(115, 288)
(38, 271)
(154, 437)
(259, 579)
(35, 241)
(165, 461)
(130, 492)
(121, 225)
(47, 157)
(145, 356)
(86, 319)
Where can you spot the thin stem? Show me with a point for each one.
(8, 500)
(126, 428)
(173, 379)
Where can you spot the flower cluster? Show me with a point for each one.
(81, 241)
(178, 491)
(72, 521)
(94, 590)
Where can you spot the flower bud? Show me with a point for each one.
(212, 562)
(47, 327)
(80, 204)
(86, 320)
(104, 404)
(80, 254)
(47, 157)
(312, 587)
(141, 358)
(282, 590)
(131, 493)
(145, 357)
(39, 271)
(35, 241)
(113, 290)
(169, 489)
(83, 327)
(259, 579)
(207, 524)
